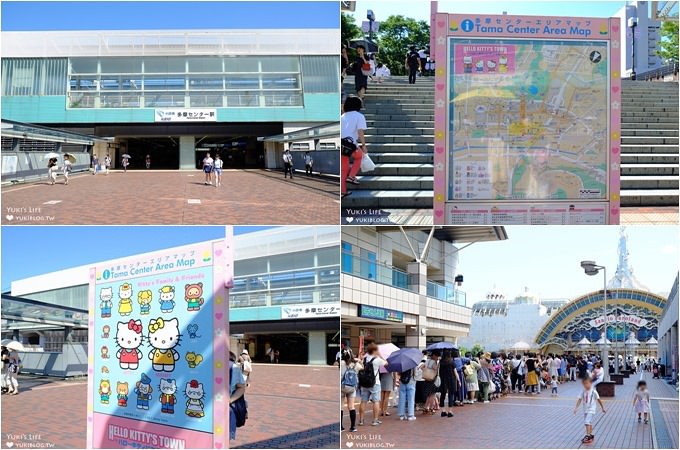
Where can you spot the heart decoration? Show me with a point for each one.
(439, 149)
(615, 212)
(440, 87)
(441, 24)
(439, 213)
(349, 219)
(218, 252)
(218, 380)
(349, 444)
(615, 89)
(615, 150)
(615, 28)
(218, 315)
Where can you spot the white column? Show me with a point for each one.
(187, 152)
(317, 348)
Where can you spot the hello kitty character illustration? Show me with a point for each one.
(479, 66)
(167, 298)
(105, 352)
(195, 394)
(163, 338)
(105, 331)
(467, 64)
(491, 65)
(105, 303)
(502, 64)
(143, 390)
(167, 398)
(129, 339)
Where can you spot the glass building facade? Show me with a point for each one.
(173, 81)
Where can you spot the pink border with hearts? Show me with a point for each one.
(615, 120)
(439, 43)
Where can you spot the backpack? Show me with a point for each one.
(413, 59)
(468, 370)
(239, 406)
(405, 377)
(349, 380)
(348, 146)
(366, 375)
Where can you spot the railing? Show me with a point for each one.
(658, 73)
(446, 293)
(329, 293)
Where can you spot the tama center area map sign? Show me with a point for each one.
(158, 349)
(527, 120)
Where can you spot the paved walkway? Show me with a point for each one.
(534, 421)
(291, 407)
(667, 215)
(174, 198)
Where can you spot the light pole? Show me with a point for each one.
(632, 23)
(591, 269)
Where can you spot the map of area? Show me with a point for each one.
(528, 120)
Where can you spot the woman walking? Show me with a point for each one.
(67, 169)
(52, 170)
(349, 369)
(449, 384)
(353, 125)
(208, 164)
(218, 170)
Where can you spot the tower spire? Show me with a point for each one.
(624, 277)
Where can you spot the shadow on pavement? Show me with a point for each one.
(320, 437)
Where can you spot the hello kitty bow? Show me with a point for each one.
(135, 325)
(156, 324)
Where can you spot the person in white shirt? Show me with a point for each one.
(107, 163)
(309, 162)
(67, 169)
(374, 361)
(208, 165)
(287, 164)
(588, 398)
(381, 72)
(352, 125)
(218, 170)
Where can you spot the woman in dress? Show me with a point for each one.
(429, 388)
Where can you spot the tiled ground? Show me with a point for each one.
(667, 215)
(291, 407)
(174, 197)
(521, 421)
(288, 407)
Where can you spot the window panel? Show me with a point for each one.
(280, 64)
(205, 99)
(84, 65)
(116, 100)
(82, 100)
(214, 82)
(320, 74)
(120, 83)
(280, 81)
(205, 64)
(121, 65)
(241, 64)
(245, 99)
(242, 82)
(84, 82)
(282, 99)
(164, 99)
(162, 83)
(163, 64)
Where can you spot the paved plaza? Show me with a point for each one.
(533, 421)
(172, 198)
(288, 407)
(291, 407)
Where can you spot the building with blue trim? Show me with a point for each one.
(174, 94)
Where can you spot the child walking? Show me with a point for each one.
(641, 401)
(218, 171)
(588, 398)
(553, 385)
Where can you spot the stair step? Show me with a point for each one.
(647, 140)
(405, 198)
(649, 158)
(404, 169)
(648, 126)
(649, 133)
(402, 158)
(649, 197)
(401, 148)
(413, 131)
(395, 182)
(423, 124)
(399, 139)
(660, 170)
(648, 182)
(664, 149)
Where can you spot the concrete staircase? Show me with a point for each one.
(400, 140)
(649, 143)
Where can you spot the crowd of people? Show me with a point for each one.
(446, 379)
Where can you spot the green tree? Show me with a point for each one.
(348, 29)
(668, 46)
(475, 350)
(395, 36)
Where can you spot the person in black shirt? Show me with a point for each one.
(360, 80)
(412, 64)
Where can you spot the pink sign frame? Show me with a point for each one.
(444, 26)
(108, 431)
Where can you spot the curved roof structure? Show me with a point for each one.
(574, 316)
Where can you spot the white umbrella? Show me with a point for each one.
(13, 345)
(385, 350)
(520, 345)
(51, 155)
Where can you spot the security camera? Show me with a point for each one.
(458, 280)
(370, 15)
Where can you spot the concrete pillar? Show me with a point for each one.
(16, 144)
(674, 350)
(273, 152)
(187, 153)
(417, 282)
(317, 348)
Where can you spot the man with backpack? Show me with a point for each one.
(412, 64)
(369, 383)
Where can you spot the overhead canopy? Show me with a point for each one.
(456, 234)
(327, 130)
(20, 130)
(23, 314)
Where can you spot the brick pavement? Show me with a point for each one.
(521, 421)
(666, 215)
(291, 407)
(47, 412)
(163, 197)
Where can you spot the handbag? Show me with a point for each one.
(367, 164)
(431, 374)
(366, 69)
(347, 146)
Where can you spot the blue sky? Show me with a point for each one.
(421, 10)
(163, 15)
(29, 251)
(547, 260)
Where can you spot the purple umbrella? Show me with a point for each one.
(404, 359)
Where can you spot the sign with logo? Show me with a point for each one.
(527, 119)
(621, 318)
(158, 340)
(309, 311)
(373, 312)
(185, 115)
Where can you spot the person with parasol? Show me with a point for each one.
(405, 362)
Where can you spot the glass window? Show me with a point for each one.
(243, 99)
(250, 266)
(81, 100)
(242, 64)
(120, 83)
(242, 82)
(163, 64)
(164, 99)
(161, 83)
(368, 264)
(280, 64)
(205, 64)
(347, 260)
(206, 82)
(205, 99)
(328, 256)
(83, 65)
(319, 74)
(329, 276)
(280, 82)
(121, 65)
(84, 83)
(117, 100)
(274, 98)
(290, 261)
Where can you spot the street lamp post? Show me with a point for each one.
(591, 269)
(632, 23)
